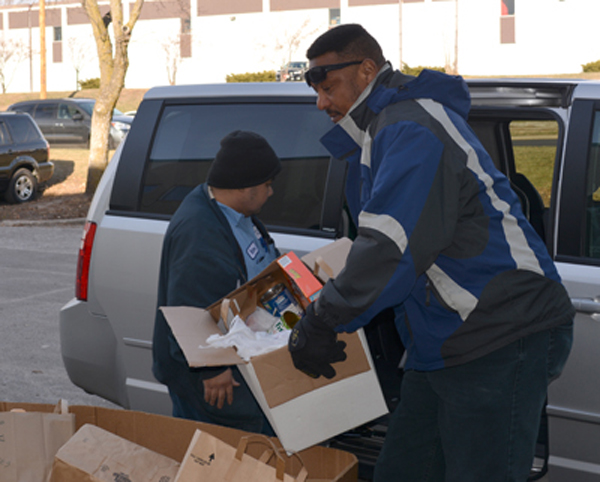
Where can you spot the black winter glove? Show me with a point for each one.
(314, 346)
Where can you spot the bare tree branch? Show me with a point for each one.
(12, 53)
(79, 53)
(289, 41)
(171, 47)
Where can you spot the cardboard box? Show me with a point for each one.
(171, 437)
(303, 411)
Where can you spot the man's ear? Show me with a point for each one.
(368, 70)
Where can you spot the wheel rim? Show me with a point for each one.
(24, 188)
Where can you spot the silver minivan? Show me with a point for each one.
(544, 135)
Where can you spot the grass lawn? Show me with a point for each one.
(537, 164)
(63, 196)
(70, 171)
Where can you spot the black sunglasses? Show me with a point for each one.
(318, 74)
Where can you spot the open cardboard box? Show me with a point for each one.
(303, 411)
(171, 437)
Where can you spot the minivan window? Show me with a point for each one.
(593, 193)
(534, 149)
(23, 129)
(188, 138)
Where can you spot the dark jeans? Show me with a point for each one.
(243, 414)
(474, 422)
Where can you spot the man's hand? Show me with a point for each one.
(314, 346)
(219, 389)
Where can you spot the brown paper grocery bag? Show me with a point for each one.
(29, 441)
(209, 459)
(94, 455)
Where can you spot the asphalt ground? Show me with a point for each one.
(37, 277)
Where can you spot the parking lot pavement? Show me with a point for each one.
(37, 277)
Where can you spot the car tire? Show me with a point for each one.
(22, 187)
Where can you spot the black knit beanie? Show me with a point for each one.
(245, 159)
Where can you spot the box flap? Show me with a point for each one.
(191, 327)
(333, 255)
(259, 283)
(281, 382)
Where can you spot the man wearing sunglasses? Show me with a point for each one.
(443, 241)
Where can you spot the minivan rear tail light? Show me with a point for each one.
(83, 262)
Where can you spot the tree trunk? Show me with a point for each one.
(113, 67)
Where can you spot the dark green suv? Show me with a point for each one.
(24, 157)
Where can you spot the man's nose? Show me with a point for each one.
(322, 101)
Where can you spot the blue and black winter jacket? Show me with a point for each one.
(439, 229)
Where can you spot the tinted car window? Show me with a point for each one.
(87, 106)
(23, 129)
(45, 111)
(26, 108)
(188, 137)
(593, 193)
(66, 111)
(4, 136)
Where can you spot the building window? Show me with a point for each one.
(334, 17)
(507, 21)
(57, 52)
(185, 38)
(186, 25)
(57, 45)
(507, 7)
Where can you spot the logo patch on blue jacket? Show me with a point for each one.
(252, 250)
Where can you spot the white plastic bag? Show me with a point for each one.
(247, 342)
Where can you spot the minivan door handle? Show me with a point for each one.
(588, 305)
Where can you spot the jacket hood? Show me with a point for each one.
(449, 90)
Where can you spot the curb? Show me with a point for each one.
(43, 222)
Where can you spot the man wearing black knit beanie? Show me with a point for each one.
(214, 244)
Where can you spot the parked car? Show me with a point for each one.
(292, 72)
(544, 135)
(68, 121)
(24, 158)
